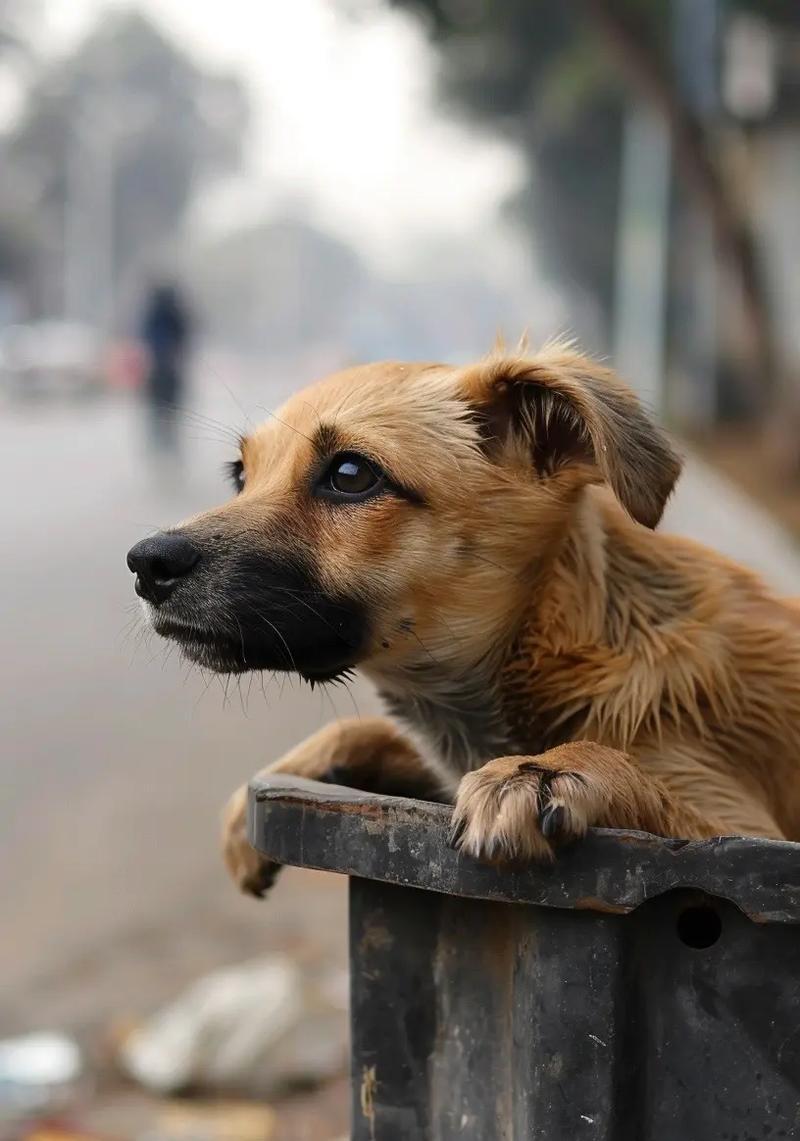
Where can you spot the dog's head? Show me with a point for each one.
(398, 512)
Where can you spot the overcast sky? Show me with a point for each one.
(345, 119)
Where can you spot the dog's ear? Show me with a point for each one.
(562, 409)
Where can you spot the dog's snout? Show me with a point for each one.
(159, 561)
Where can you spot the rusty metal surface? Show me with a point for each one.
(404, 842)
(478, 1021)
(622, 994)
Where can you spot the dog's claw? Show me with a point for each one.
(259, 884)
(456, 832)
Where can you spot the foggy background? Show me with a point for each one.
(325, 183)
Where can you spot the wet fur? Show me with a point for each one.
(528, 628)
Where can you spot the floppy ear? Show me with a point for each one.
(566, 410)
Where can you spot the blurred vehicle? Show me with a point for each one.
(51, 358)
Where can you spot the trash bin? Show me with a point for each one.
(637, 989)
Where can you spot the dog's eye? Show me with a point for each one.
(350, 476)
(235, 473)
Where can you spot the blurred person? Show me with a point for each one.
(166, 332)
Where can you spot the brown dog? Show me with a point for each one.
(548, 661)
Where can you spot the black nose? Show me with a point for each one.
(158, 563)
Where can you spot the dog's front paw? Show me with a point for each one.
(514, 809)
(251, 873)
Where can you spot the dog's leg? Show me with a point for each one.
(518, 808)
(369, 753)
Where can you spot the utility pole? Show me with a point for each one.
(641, 260)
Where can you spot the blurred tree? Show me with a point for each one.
(283, 288)
(117, 138)
(17, 20)
(639, 35)
(557, 78)
(528, 67)
(273, 286)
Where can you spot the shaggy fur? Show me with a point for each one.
(549, 662)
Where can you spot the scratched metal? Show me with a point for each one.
(623, 994)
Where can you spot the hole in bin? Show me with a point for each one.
(699, 926)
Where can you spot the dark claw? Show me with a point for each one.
(259, 884)
(551, 820)
(456, 832)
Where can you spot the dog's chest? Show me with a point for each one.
(463, 727)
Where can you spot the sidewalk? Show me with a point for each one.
(706, 507)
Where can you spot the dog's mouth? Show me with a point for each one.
(236, 610)
(319, 646)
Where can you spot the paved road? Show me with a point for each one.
(115, 760)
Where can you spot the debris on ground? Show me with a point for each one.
(38, 1073)
(257, 1028)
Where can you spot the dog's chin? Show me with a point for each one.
(216, 654)
(218, 650)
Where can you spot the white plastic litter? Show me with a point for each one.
(37, 1072)
(257, 1027)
